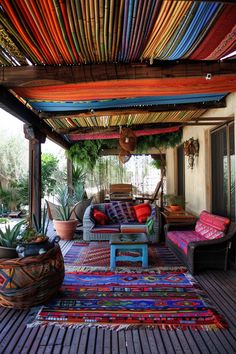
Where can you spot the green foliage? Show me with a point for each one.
(65, 201)
(43, 228)
(3, 220)
(144, 143)
(9, 236)
(22, 188)
(173, 199)
(85, 153)
(49, 173)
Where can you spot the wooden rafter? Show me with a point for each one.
(48, 75)
(195, 121)
(12, 105)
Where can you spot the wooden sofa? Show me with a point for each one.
(94, 232)
(204, 244)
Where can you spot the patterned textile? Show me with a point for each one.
(106, 229)
(121, 300)
(182, 238)
(218, 222)
(207, 232)
(29, 281)
(133, 228)
(97, 254)
(120, 212)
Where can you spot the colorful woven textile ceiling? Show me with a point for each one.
(73, 32)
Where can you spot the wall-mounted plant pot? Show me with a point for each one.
(7, 252)
(65, 228)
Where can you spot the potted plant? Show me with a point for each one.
(175, 202)
(8, 240)
(64, 224)
(33, 240)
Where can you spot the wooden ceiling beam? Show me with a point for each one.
(114, 129)
(135, 110)
(12, 105)
(57, 75)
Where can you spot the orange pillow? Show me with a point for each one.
(100, 217)
(142, 212)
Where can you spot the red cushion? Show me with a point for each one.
(219, 223)
(142, 212)
(100, 217)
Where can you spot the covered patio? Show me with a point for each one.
(83, 71)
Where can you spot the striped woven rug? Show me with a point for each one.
(96, 255)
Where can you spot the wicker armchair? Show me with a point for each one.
(202, 254)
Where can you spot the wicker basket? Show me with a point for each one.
(30, 281)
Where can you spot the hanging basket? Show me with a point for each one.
(127, 139)
(124, 156)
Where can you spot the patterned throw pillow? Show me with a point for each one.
(99, 217)
(120, 212)
(142, 211)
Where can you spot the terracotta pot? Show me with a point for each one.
(7, 252)
(65, 228)
(175, 207)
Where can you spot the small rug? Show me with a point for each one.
(112, 300)
(95, 255)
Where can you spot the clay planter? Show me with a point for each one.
(175, 208)
(65, 228)
(7, 252)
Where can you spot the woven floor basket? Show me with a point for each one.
(30, 281)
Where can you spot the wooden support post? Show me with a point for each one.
(35, 184)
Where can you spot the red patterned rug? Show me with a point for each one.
(97, 254)
(168, 300)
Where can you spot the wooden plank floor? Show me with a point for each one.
(16, 338)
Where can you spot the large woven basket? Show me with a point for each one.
(30, 281)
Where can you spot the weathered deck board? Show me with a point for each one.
(15, 338)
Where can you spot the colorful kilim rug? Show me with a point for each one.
(93, 255)
(167, 300)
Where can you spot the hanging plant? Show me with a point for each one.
(85, 153)
(144, 143)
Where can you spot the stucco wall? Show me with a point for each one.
(198, 179)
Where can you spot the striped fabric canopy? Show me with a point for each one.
(91, 31)
(79, 32)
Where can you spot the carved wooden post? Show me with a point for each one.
(35, 138)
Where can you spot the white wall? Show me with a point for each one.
(198, 179)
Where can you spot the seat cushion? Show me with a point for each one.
(182, 238)
(106, 229)
(133, 228)
(120, 212)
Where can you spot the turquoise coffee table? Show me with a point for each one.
(127, 242)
